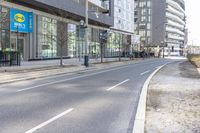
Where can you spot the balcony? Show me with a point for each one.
(175, 18)
(174, 24)
(176, 31)
(99, 5)
(175, 11)
(170, 36)
(175, 5)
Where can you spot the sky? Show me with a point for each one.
(193, 21)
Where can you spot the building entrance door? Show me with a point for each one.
(18, 45)
(13, 45)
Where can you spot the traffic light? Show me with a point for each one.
(103, 36)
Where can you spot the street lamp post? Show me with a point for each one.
(119, 48)
(163, 52)
(84, 32)
(86, 58)
(17, 38)
(81, 36)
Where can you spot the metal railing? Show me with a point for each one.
(10, 58)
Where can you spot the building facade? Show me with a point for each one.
(123, 27)
(124, 15)
(33, 27)
(161, 23)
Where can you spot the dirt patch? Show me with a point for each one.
(154, 98)
(188, 70)
(173, 102)
(195, 59)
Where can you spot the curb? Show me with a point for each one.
(19, 69)
(34, 69)
(96, 66)
(139, 123)
(41, 76)
(78, 69)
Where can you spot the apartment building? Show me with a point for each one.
(161, 23)
(123, 28)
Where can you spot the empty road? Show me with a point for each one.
(91, 101)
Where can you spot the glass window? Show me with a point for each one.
(47, 37)
(148, 3)
(143, 18)
(72, 41)
(113, 46)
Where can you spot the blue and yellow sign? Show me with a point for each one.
(21, 21)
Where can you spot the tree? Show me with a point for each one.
(4, 27)
(61, 38)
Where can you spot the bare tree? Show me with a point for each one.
(61, 38)
(4, 24)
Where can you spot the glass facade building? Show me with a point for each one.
(43, 42)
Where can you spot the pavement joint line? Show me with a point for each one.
(118, 84)
(49, 121)
(60, 81)
(145, 72)
(139, 123)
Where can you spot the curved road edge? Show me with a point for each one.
(141, 108)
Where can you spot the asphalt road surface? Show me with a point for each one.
(91, 101)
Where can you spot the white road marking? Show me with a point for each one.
(145, 72)
(118, 85)
(60, 81)
(49, 121)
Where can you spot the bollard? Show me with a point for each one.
(86, 61)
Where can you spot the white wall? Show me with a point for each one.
(124, 15)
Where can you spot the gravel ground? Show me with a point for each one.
(173, 102)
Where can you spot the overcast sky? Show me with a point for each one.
(193, 21)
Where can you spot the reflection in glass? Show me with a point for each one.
(47, 37)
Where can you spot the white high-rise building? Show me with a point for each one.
(124, 15)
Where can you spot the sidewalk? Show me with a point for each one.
(173, 101)
(39, 69)
(51, 64)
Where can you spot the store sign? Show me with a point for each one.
(21, 21)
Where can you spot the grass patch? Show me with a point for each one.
(194, 59)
